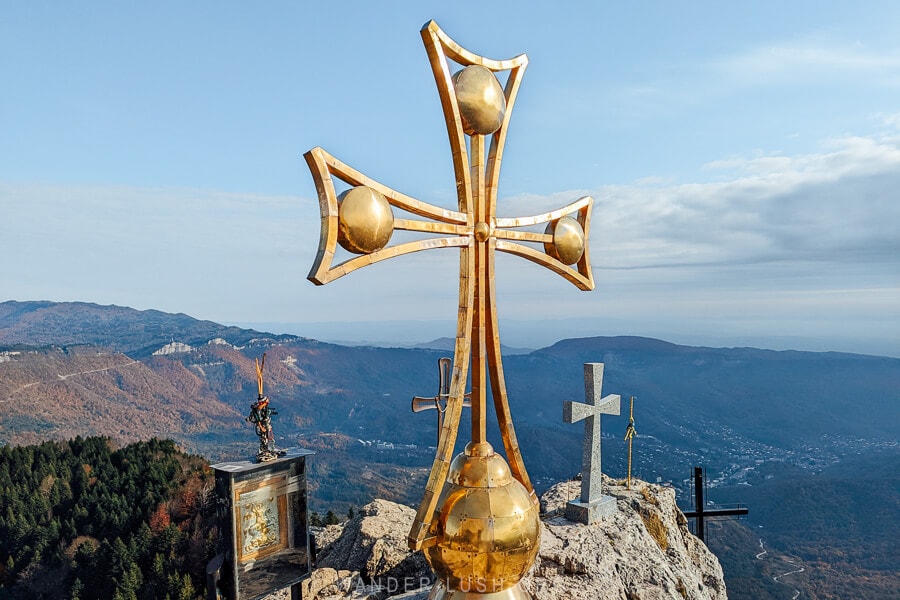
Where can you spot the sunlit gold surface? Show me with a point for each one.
(440, 591)
(487, 523)
(478, 518)
(568, 240)
(365, 220)
(483, 231)
(480, 99)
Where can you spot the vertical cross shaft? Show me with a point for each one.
(483, 268)
(699, 502)
(477, 109)
(590, 412)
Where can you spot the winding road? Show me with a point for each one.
(777, 578)
(64, 377)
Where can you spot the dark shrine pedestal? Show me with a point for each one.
(262, 511)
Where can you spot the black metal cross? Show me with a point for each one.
(700, 511)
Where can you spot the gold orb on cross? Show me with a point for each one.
(488, 524)
(480, 99)
(365, 220)
(568, 240)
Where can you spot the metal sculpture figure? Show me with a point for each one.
(261, 416)
(478, 521)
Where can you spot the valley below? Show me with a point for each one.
(807, 440)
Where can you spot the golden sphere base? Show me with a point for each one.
(440, 592)
(487, 528)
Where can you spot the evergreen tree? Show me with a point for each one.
(56, 493)
(76, 590)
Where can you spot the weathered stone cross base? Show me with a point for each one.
(590, 512)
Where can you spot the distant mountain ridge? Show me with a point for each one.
(448, 345)
(746, 414)
(137, 333)
(684, 393)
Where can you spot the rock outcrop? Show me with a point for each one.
(368, 557)
(642, 552)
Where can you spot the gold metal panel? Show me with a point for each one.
(261, 517)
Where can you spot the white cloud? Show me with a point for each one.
(811, 59)
(776, 245)
(183, 250)
(837, 205)
(830, 70)
(891, 121)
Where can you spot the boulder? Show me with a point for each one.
(372, 546)
(643, 551)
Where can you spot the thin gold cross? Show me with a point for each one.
(361, 220)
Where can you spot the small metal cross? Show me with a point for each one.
(439, 402)
(700, 512)
(593, 504)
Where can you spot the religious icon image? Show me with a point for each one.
(478, 522)
(259, 526)
(261, 517)
(261, 416)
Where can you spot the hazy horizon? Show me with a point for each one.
(744, 161)
(536, 334)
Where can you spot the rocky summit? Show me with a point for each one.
(643, 551)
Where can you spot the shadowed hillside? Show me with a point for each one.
(764, 423)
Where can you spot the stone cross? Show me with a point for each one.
(593, 504)
(439, 402)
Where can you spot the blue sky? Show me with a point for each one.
(745, 161)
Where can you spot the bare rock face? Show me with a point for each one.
(369, 559)
(642, 552)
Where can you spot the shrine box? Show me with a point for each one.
(262, 510)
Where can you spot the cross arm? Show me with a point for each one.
(717, 512)
(576, 411)
(453, 225)
(419, 403)
(581, 275)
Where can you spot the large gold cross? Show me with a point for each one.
(361, 220)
